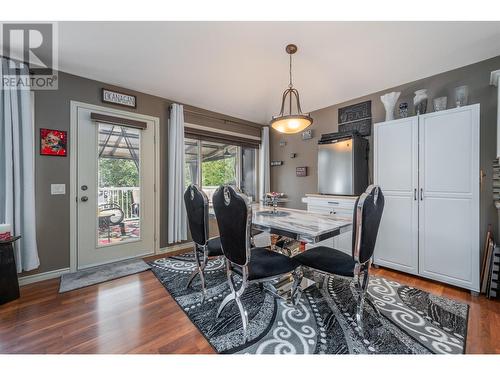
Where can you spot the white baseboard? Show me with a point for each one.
(177, 247)
(30, 279)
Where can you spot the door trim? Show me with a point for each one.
(73, 155)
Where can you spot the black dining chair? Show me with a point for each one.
(196, 202)
(254, 265)
(366, 220)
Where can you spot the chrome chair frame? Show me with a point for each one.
(362, 269)
(202, 262)
(235, 294)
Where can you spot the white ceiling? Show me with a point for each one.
(241, 68)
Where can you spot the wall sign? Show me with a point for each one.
(301, 171)
(53, 142)
(276, 163)
(308, 134)
(119, 98)
(357, 117)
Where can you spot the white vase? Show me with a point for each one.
(389, 100)
(420, 101)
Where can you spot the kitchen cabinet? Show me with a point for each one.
(428, 169)
(342, 206)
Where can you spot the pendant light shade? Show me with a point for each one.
(294, 121)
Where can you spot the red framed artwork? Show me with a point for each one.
(53, 142)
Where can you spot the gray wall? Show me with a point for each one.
(476, 76)
(52, 110)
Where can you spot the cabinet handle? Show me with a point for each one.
(333, 202)
(421, 194)
(415, 194)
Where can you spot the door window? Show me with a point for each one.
(119, 185)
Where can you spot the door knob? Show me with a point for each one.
(84, 198)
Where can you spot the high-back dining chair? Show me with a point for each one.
(254, 265)
(366, 220)
(196, 202)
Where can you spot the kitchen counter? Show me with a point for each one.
(328, 196)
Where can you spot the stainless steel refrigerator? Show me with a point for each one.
(342, 164)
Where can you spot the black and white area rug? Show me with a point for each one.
(323, 322)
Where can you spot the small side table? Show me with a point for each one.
(9, 286)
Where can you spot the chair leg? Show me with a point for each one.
(224, 302)
(196, 270)
(232, 294)
(244, 318)
(200, 268)
(296, 292)
(191, 278)
(362, 286)
(235, 295)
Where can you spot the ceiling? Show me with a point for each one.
(241, 68)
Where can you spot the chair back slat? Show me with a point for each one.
(196, 203)
(366, 221)
(234, 218)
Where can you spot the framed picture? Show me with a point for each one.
(357, 117)
(53, 142)
(301, 171)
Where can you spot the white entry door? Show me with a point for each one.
(115, 186)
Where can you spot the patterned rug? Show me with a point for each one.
(323, 322)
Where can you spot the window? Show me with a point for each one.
(211, 164)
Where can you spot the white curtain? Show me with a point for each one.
(17, 176)
(264, 173)
(177, 220)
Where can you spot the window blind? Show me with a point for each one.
(206, 135)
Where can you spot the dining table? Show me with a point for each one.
(300, 225)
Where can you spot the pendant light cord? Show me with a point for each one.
(290, 85)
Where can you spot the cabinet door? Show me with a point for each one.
(343, 208)
(396, 172)
(449, 202)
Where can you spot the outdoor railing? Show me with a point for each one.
(125, 197)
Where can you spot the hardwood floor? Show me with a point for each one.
(135, 314)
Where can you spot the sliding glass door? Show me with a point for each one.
(211, 164)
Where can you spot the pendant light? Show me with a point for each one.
(291, 122)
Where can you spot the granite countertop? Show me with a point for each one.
(303, 225)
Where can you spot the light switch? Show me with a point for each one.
(57, 189)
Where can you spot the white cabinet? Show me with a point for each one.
(428, 169)
(341, 206)
(396, 171)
